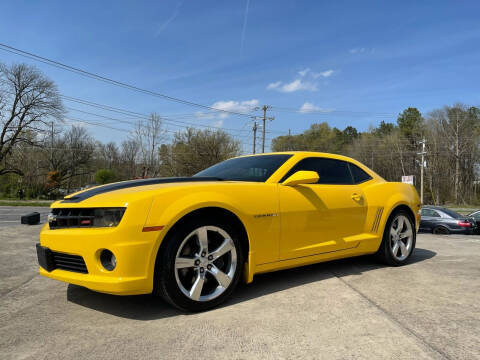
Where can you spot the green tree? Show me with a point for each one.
(384, 129)
(410, 123)
(104, 176)
(349, 134)
(319, 137)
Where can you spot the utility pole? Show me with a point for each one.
(51, 146)
(254, 135)
(265, 108)
(423, 153)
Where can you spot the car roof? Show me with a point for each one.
(306, 154)
(433, 207)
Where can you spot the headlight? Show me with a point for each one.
(61, 218)
(108, 217)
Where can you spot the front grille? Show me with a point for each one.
(69, 262)
(64, 218)
(68, 218)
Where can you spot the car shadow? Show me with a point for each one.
(148, 307)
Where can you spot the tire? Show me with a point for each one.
(192, 278)
(440, 230)
(397, 245)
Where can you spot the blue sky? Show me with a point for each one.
(345, 62)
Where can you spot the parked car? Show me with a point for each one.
(192, 240)
(476, 216)
(440, 220)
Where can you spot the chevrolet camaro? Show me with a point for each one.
(191, 240)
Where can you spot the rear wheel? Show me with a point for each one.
(441, 230)
(398, 239)
(201, 265)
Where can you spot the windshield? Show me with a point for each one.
(250, 168)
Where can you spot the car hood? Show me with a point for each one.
(122, 190)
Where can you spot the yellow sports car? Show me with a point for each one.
(191, 240)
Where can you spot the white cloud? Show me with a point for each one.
(304, 72)
(357, 50)
(309, 107)
(230, 105)
(361, 50)
(306, 81)
(274, 85)
(295, 85)
(325, 74)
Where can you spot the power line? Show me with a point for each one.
(73, 120)
(327, 112)
(110, 81)
(164, 119)
(137, 115)
(141, 115)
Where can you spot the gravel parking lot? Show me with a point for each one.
(348, 309)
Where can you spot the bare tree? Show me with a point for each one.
(109, 155)
(149, 134)
(459, 128)
(27, 101)
(194, 150)
(72, 156)
(129, 157)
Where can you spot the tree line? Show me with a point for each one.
(44, 157)
(451, 134)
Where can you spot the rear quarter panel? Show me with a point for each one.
(390, 195)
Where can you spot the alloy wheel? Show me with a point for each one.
(205, 263)
(401, 237)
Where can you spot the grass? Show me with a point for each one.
(462, 209)
(24, 203)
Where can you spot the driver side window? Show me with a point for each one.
(330, 171)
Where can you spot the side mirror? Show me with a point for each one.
(302, 177)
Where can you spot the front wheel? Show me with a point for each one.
(200, 266)
(398, 239)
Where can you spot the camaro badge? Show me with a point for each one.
(264, 215)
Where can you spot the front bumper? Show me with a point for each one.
(135, 252)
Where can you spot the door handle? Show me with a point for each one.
(356, 197)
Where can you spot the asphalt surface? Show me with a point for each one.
(10, 215)
(348, 309)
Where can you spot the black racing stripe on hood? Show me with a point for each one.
(133, 183)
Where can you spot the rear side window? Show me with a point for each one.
(430, 212)
(330, 171)
(452, 213)
(358, 174)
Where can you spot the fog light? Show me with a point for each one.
(108, 260)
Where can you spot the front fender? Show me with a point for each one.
(247, 201)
